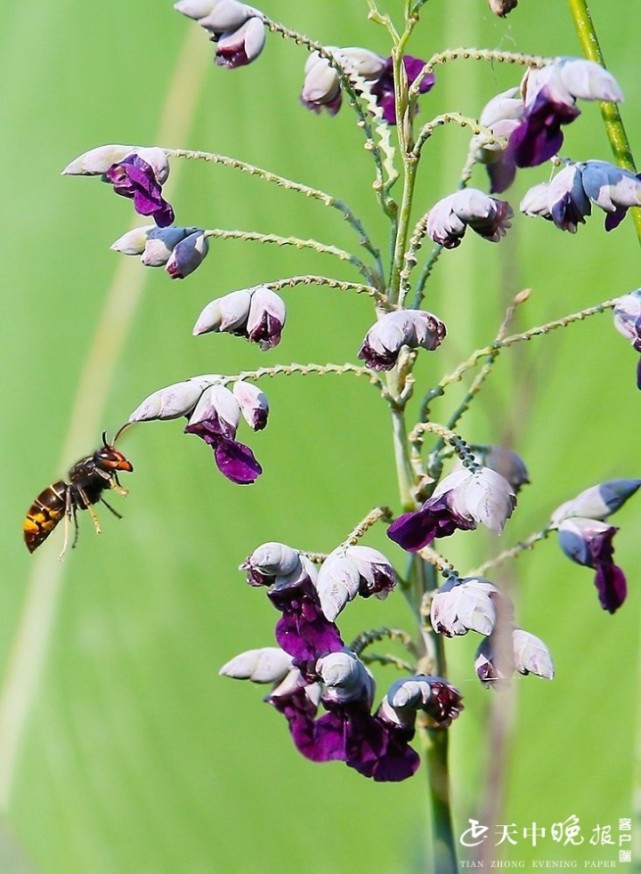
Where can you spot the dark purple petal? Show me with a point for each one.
(614, 219)
(538, 137)
(501, 173)
(380, 751)
(383, 88)
(134, 178)
(415, 530)
(299, 712)
(303, 632)
(236, 461)
(211, 430)
(639, 374)
(611, 585)
(267, 332)
(378, 360)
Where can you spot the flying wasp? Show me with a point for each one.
(88, 479)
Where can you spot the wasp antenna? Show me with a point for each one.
(120, 431)
(104, 439)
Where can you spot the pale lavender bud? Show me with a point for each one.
(494, 661)
(161, 242)
(412, 328)
(134, 241)
(482, 495)
(195, 9)
(170, 402)
(218, 404)
(450, 217)
(97, 161)
(337, 584)
(225, 314)
(346, 678)
(266, 317)
(321, 87)
(187, 255)
(253, 404)
(272, 559)
(465, 605)
(597, 502)
(378, 577)
(536, 201)
(610, 187)
(225, 16)
(434, 696)
(531, 655)
(237, 48)
(270, 664)
(588, 80)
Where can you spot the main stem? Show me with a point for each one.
(442, 849)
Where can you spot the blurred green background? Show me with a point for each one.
(121, 750)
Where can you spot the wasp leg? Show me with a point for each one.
(76, 527)
(114, 483)
(109, 507)
(87, 505)
(69, 509)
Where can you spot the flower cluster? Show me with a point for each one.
(450, 217)
(461, 501)
(475, 604)
(238, 30)
(258, 314)
(586, 538)
(213, 413)
(322, 85)
(567, 199)
(314, 669)
(179, 250)
(412, 328)
(135, 173)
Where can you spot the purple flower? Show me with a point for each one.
(499, 656)
(276, 564)
(303, 631)
(597, 502)
(589, 542)
(450, 217)
(135, 178)
(433, 696)
(257, 313)
(413, 328)
(242, 46)
(611, 188)
(469, 604)
(460, 501)
(383, 88)
(562, 201)
(322, 89)
(550, 95)
(501, 116)
(215, 419)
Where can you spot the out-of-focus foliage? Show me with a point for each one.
(134, 755)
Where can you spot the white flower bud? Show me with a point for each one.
(338, 582)
(170, 402)
(465, 605)
(133, 242)
(97, 161)
(195, 8)
(226, 313)
(346, 678)
(267, 665)
(218, 403)
(531, 655)
(253, 404)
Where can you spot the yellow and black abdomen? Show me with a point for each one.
(44, 514)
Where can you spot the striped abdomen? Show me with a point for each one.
(44, 514)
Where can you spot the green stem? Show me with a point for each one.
(609, 111)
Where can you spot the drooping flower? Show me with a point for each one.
(97, 161)
(322, 87)
(434, 696)
(351, 571)
(187, 255)
(468, 604)
(597, 502)
(279, 565)
(412, 328)
(240, 47)
(589, 542)
(450, 217)
(504, 461)
(215, 420)
(500, 655)
(270, 664)
(237, 29)
(135, 178)
(460, 501)
(550, 95)
(257, 313)
(501, 116)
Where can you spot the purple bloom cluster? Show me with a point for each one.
(258, 314)
(322, 87)
(452, 215)
(568, 198)
(412, 328)
(179, 250)
(238, 30)
(213, 413)
(316, 670)
(586, 538)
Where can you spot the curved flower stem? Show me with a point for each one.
(499, 344)
(338, 284)
(514, 551)
(475, 55)
(462, 121)
(376, 635)
(307, 370)
(609, 111)
(374, 516)
(296, 242)
(289, 185)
